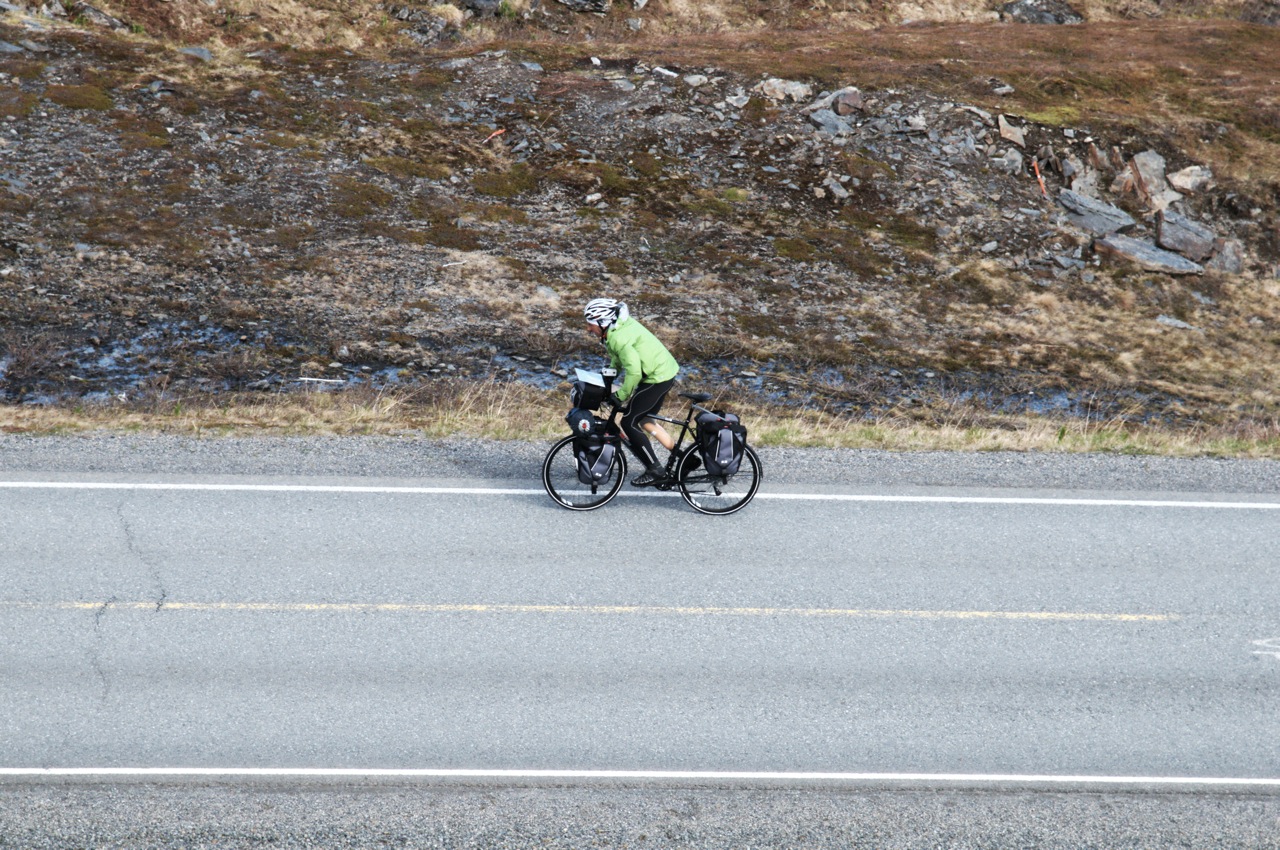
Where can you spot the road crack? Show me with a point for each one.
(153, 569)
(95, 648)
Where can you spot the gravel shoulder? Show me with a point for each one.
(476, 461)
(131, 816)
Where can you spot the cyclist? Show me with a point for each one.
(650, 372)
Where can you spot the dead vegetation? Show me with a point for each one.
(511, 411)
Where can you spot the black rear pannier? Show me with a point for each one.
(721, 441)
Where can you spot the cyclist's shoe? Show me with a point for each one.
(649, 477)
(696, 462)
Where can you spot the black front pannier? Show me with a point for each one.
(722, 439)
(593, 452)
(595, 456)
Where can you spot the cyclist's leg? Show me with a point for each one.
(646, 401)
(659, 433)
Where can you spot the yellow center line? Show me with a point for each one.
(652, 610)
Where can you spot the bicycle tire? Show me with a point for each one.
(719, 495)
(560, 478)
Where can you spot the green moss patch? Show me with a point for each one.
(646, 164)
(79, 97)
(354, 199)
(17, 104)
(506, 184)
(398, 166)
(617, 265)
(287, 141)
(23, 69)
(795, 249)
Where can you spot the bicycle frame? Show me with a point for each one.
(685, 430)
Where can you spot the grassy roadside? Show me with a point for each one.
(508, 411)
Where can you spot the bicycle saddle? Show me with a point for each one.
(696, 397)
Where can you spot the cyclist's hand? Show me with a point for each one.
(613, 399)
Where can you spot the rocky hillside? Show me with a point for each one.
(1069, 219)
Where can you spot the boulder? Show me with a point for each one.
(598, 6)
(1011, 162)
(1149, 167)
(1040, 12)
(913, 124)
(97, 17)
(1228, 257)
(777, 89)
(6, 47)
(847, 101)
(843, 102)
(1188, 238)
(1145, 255)
(837, 191)
(1191, 179)
(1097, 160)
(829, 122)
(1095, 216)
(1084, 182)
(1011, 132)
(1175, 323)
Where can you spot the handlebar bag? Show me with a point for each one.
(586, 396)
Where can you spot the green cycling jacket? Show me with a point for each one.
(645, 359)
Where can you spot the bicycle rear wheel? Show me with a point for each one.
(560, 477)
(719, 494)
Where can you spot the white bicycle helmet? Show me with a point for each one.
(605, 312)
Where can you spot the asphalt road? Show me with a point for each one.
(1004, 650)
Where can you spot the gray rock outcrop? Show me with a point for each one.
(1228, 257)
(1097, 217)
(1040, 12)
(1145, 255)
(96, 16)
(829, 122)
(598, 6)
(1188, 238)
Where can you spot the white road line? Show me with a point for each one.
(172, 606)
(505, 491)
(638, 775)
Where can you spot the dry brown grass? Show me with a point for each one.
(510, 411)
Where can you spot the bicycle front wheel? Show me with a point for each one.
(719, 494)
(560, 477)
